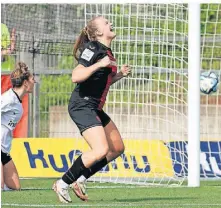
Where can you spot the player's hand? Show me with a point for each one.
(105, 61)
(125, 70)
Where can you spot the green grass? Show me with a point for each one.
(105, 195)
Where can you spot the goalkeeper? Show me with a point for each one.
(95, 73)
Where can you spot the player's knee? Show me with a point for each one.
(118, 150)
(121, 149)
(101, 153)
(17, 187)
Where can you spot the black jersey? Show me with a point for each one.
(96, 87)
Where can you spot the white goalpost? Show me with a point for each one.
(194, 95)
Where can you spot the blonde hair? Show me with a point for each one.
(87, 34)
(20, 74)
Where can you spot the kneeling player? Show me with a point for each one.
(11, 112)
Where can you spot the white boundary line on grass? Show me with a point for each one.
(93, 187)
(109, 205)
(115, 187)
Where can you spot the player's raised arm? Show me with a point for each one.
(87, 53)
(81, 72)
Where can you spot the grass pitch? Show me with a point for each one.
(38, 193)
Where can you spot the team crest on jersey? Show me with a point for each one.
(87, 54)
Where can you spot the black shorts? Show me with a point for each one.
(5, 158)
(87, 117)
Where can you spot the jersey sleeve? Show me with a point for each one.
(90, 55)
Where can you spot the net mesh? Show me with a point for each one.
(150, 106)
(210, 105)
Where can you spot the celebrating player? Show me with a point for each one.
(11, 112)
(95, 72)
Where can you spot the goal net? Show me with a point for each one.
(210, 157)
(149, 107)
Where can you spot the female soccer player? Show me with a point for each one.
(11, 112)
(95, 72)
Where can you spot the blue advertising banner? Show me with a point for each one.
(210, 158)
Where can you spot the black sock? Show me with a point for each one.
(88, 172)
(74, 172)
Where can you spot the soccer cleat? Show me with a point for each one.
(80, 190)
(62, 193)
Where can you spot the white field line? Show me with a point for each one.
(123, 204)
(92, 187)
(117, 187)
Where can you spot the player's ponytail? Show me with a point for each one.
(82, 39)
(86, 35)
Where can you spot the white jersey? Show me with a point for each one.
(11, 113)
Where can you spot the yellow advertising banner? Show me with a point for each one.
(44, 157)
